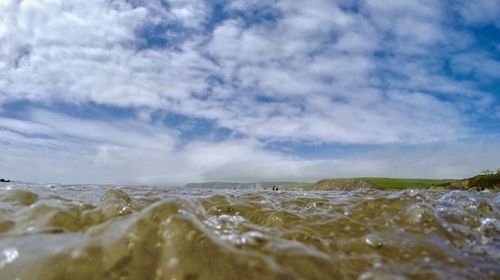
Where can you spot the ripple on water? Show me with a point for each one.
(93, 232)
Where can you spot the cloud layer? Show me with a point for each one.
(50, 147)
(385, 73)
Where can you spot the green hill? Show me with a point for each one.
(377, 183)
(480, 182)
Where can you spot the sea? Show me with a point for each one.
(52, 231)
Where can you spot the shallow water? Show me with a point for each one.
(96, 232)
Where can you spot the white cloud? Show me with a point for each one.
(50, 147)
(316, 60)
(481, 65)
(412, 22)
(191, 13)
(326, 74)
(480, 11)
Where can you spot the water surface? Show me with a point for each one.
(99, 232)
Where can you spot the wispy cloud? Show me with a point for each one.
(47, 145)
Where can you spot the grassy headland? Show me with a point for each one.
(377, 183)
(480, 182)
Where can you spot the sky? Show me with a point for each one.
(171, 91)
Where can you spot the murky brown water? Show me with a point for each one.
(95, 232)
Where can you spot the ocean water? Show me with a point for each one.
(113, 232)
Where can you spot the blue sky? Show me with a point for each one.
(169, 91)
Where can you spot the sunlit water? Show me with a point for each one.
(96, 232)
